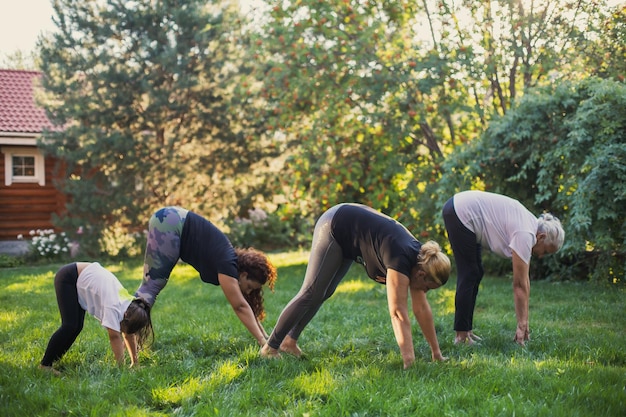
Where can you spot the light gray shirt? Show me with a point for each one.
(500, 223)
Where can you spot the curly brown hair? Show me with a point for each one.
(259, 269)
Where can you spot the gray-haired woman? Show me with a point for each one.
(475, 219)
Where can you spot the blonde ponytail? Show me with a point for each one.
(434, 262)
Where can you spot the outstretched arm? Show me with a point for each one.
(130, 340)
(261, 328)
(521, 294)
(233, 294)
(117, 345)
(424, 317)
(397, 299)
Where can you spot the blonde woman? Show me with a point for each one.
(391, 255)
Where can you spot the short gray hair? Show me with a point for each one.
(551, 226)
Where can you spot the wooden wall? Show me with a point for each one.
(28, 206)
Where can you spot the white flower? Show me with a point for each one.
(257, 215)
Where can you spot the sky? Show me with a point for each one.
(21, 22)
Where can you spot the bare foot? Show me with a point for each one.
(50, 369)
(290, 346)
(466, 337)
(269, 352)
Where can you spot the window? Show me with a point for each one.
(23, 164)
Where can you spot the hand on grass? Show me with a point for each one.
(521, 335)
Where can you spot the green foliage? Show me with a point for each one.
(312, 104)
(605, 53)
(561, 149)
(118, 243)
(266, 231)
(204, 362)
(11, 261)
(366, 101)
(349, 91)
(142, 93)
(18, 60)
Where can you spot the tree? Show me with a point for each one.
(605, 53)
(368, 101)
(346, 90)
(142, 92)
(19, 60)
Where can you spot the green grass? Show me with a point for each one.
(204, 362)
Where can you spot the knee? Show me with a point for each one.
(469, 276)
(72, 329)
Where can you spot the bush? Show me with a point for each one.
(263, 231)
(49, 245)
(560, 149)
(10, 261)
(117, 242)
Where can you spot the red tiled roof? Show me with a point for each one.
(18, 111)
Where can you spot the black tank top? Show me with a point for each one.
(374, 240)
(207, 249)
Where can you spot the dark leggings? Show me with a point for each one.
(326, 267)
(72, 314)
(469, 266)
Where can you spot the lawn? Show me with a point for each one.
(204, 362)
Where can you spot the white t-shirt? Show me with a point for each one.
(500, 223)
(102, 295)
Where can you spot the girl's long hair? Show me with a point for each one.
(137, 321)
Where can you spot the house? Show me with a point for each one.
(28, 197)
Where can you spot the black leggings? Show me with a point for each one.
(327, 266)
(72, 314)
(469, 267)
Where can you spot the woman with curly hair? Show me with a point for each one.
(391, 255)
(88, 287)
(176, 233)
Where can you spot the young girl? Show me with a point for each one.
(84, 286)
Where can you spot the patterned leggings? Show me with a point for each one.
(162, 250)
